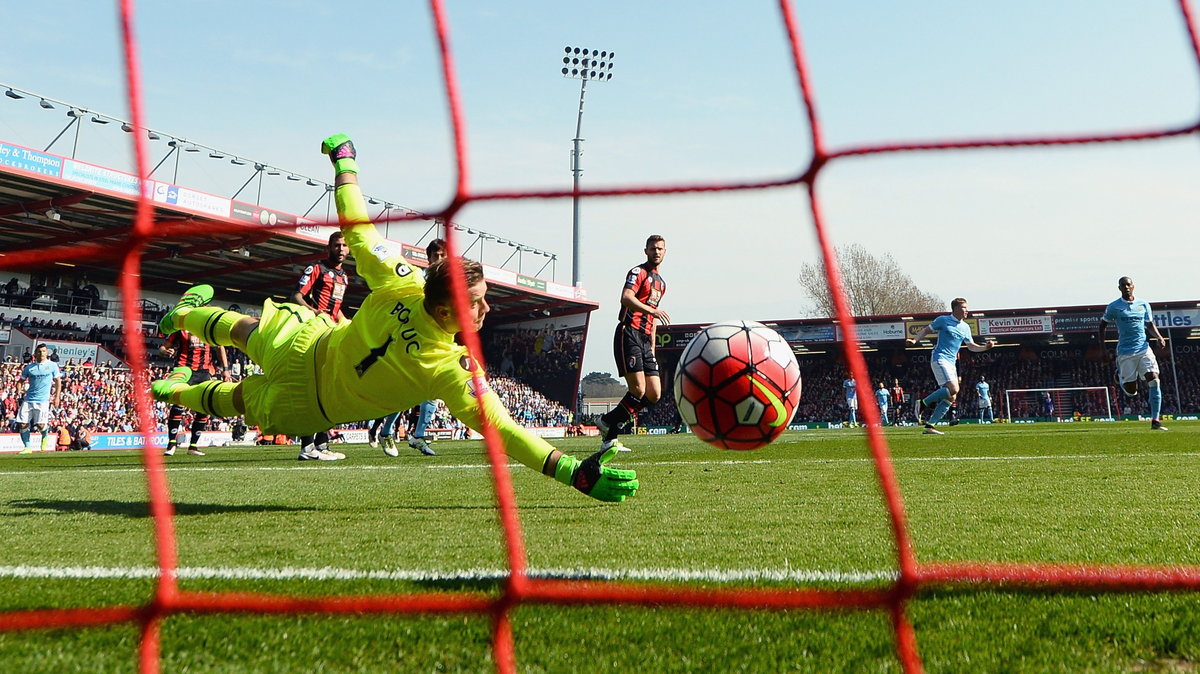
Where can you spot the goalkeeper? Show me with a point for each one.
(399, 350)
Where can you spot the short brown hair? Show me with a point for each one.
(653, 239)
(437, 281)
(957, 302)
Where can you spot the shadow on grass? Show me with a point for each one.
(35, 506)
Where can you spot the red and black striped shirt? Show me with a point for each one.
(648, 287)
(190, 351)
(323, 287)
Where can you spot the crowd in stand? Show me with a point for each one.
(546, 359)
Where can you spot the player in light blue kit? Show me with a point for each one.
(984, 391)
(882, 397)
(40, 377)
(953, 332)
(1135, 359)
(848, 387)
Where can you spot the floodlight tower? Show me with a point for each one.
(582, 64)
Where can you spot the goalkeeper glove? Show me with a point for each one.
(340, 149)
(593, 478)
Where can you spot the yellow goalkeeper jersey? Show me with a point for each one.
(393, 354)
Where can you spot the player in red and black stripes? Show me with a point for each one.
(322, 287)
(633, 343)
(186, 350)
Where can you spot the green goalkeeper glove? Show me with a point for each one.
(340, 149)
(593, 478)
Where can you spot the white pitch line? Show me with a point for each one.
(423, 575)
(626, 462)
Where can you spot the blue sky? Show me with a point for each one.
(702, 91)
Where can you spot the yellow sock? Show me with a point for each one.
(213, 397)
(213, 325)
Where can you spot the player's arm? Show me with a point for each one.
(925, 332)
(168, 348)
(630, 301)
(374, 258)
(589, 476)
(57, 387)
(1152, 329)
(987, 345)
(224, 358)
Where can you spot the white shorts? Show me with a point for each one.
(34, 413)
(852, 403)
(944, 371)
(1134, 366)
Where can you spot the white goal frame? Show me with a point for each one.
(1008, 402)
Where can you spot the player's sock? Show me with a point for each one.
(853, 418)
(46, 438)
(1155, 398)
(939, 412)
(174, 421)
(213, 325)
(211, 397)
(25, 437)
(937, 396)
(622, 413)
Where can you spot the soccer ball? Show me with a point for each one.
(737, 385)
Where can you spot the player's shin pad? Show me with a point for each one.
(593, 478)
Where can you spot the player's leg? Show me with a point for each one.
(174, 422)
(199, 422)
(373, 432)
(417, 440)
(946, 375)
(387, 432)
(1148, 368)
(23, 428)
(632, 348)
(321, 440)
(213, 397)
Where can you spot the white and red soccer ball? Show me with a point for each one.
(737, 385)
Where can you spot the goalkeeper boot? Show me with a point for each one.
(196, 296)
(162, 389)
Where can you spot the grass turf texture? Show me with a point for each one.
(805, 512)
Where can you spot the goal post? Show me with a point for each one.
(1057, 404)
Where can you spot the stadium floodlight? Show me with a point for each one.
(74, 113)
(583, 64)
(13, 95)
(126, 127)
(53, 215)
(293, 177)
(191, 148)
(97, 119)
(215, 155)
(311, 183)
(46, 105)
(152, 136)
(237, 161)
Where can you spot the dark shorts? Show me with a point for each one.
(199, 377)
(634, 352)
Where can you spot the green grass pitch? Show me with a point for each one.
(804, 512)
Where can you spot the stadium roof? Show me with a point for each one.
(52, 203)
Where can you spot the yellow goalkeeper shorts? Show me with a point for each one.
(284, 398)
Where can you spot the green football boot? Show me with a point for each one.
(196, 296)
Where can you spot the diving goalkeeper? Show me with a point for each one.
(398, 351)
